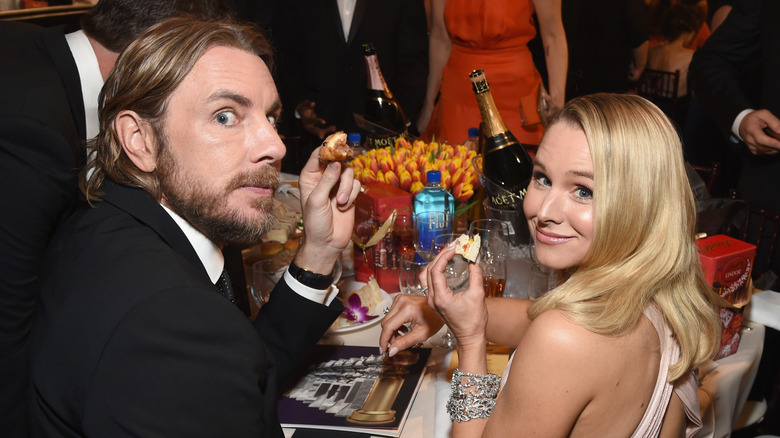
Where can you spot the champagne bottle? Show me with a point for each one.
(386, 119)
(505, 163)
(506, 167)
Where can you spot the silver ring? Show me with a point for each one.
(424, 290)
(387, 309)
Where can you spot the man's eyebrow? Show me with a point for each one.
(230, 95)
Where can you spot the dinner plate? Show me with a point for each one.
(350, 285)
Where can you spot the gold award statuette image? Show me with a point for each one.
(378, 408)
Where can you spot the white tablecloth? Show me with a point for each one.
(723, 392)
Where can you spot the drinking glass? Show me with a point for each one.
(540, 278)
(403, 233)
(494, 247)
(412, 265)
(264, 278)
(457, 271)
(457, 275)
(427, 226)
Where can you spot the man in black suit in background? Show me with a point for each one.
(749, 35)
(137, 335)
(48, 108)
(322, 74)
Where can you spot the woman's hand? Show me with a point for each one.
(465, 313)
(409, 321)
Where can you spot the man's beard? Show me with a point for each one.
(207, 209)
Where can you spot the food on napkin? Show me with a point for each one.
(468, 247)
(335, 148)
(361, 305)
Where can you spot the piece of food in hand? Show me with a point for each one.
(468, 247)
(335, 148)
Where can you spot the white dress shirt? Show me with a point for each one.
(346, 12)
(90, 77)
(214, 262)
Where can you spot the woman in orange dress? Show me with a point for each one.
(491, 35)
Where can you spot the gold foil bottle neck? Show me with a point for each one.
(479, 82)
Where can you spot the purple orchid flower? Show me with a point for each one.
(356, 312)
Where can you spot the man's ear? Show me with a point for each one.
(137, 139)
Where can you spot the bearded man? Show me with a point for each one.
(137, 335)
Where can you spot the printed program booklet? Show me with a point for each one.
(355, 389)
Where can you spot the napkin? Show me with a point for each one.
(765, 309)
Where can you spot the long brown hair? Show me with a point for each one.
(145, 76)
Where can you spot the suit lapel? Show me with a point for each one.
(139, 204)
(57, 47)
(357, 18)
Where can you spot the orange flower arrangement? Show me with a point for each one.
(405, 165)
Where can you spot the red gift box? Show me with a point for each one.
(727, 264)
(373, 206)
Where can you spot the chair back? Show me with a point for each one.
(660, 87)
(760, 227)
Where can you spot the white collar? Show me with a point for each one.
(90, 77)
(208, 253)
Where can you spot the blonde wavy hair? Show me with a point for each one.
(145, 76)
(643, 250)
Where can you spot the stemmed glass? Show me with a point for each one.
(457, 276)
(541, 279)
(494, 247)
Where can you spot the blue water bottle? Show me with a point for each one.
(434, 209)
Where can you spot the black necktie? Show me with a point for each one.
(226, 287)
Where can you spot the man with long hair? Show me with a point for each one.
(48, 109)
(137, 334)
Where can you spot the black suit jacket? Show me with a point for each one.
(42, 129)
(133, 339)
(749, 35)
(315, 61)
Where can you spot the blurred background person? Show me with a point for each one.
(678, 28)
(659, 15)
(735, 77)
(608, 46)
(48, 109)
(322, 73)
(493, 36)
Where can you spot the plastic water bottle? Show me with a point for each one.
(354, 142)
(439, 205)
(472, 142)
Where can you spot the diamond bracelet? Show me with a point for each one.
(474, 398)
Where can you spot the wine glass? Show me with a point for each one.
(457, 271)
(494, 247)
(457, 276)
(540, 278)
(427, 226)
(412, 265)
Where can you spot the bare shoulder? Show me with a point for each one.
(563, 370)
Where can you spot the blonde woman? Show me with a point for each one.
(612, 351)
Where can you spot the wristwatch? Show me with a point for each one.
(310, 279)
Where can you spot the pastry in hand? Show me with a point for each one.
(335, 148)
(468, 247)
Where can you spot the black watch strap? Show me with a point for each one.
(310, 279)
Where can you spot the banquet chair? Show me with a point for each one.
(660, 87)
(761, 227)
(711, 175)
